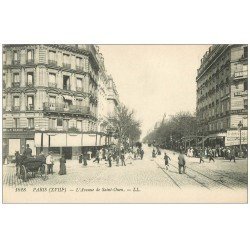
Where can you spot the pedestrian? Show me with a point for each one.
(27, 152)
(153, 153)
(18, 159)
(201, 156)
(117, 159)
(210, 155)
(50, 163)
(110, 160)
(97, 156)
(123, 159)
(80, 158)
(232, 156)
(181, 163)
(62, 170)
(166, 158)
(142, 153)
(85, 158)
(42, 159)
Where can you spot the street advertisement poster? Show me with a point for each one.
(89, 123)
(236, 137)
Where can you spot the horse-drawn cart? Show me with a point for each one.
(33, 166)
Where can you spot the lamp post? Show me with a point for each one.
(240, 125)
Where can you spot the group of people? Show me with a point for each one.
(228, 153)
(47, 160)
(115, 155)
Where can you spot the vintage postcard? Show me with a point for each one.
(85, 123)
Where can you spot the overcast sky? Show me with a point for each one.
(154, 79)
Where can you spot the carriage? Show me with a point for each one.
(35, 166)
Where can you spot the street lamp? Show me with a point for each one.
(240, 125)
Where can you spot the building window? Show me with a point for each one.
(15, 55)
(30, 78)
(52, 80)
(52, 58)
(79, 125)
(59, 122)
(4, 57)
(245, 52)
(52, 123)
(79, 84)
(31, 123)
(30, 102)
(65, 124)
(16, 78)
(4, 102)
(245, 104)
(16, 103)
(66, 82)
(79, 64)
(66, 60)
(30, 55)
(16, 123)
(245, 86)
(52, 102)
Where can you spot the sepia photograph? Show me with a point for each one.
(88, 123)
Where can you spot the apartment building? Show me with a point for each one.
(222, 95)
(50, 98)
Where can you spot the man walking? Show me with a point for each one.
(97, 157)
(50, 163)
(210, 155)
(110, 160)
(123, 159)
(232, 157)
(142, 153)
(201, 156)
(182, 163)
(166, 158)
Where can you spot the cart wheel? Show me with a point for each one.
(23, 173)
(44, 172)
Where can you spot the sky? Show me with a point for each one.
(154, 80)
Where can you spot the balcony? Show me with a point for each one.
(16, 84)
(16, 108)
(15, 62)
(79, 89)
(63, 108)
(17, 129)
(79, 68)
(52, 62)
(66, 65)
(30, 107)
(29, 84)
(52, 85)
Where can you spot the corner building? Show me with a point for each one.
(222, 95)
(50, 99)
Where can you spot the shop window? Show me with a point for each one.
(79, 125)
(65, 124)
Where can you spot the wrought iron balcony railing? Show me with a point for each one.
(240, 74)
(52, 85)
(80, 89)
(66, 65)
(64, 108)
(16, 84)
(30, 107)
(79, 68)
(16, 108)
(15, 62)
(30, 61)
(30, 84)
(52, 62)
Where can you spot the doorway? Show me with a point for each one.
(67, 152)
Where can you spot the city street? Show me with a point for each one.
(147, 173)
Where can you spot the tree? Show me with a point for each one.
(125, 126)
